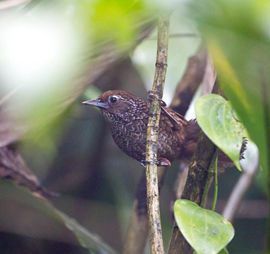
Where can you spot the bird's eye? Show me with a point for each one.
(98, 99)
(113, 99)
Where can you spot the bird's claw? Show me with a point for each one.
(151, 96)
(155, 161)
(162, 162)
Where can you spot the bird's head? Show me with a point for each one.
(116, 104)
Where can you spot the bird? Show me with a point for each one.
(127, 116)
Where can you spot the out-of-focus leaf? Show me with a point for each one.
(92, 93)
(216, 118)
(237, 33)
(223, 251)
(206, 231)
(113, 22)
(87, 239)
(12, 166)
(56, 59)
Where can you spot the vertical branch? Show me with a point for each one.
(192, 78)
(155, 232)
(137, 232)
(195, 185)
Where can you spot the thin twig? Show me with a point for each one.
(155, 232)
(213, 208)
(11, 93)
(240, 190)
(209, 77)
(190, 81)
(211, 172)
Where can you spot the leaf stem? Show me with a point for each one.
(216, 187)
(211, 172)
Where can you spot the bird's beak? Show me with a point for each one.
(96, 103)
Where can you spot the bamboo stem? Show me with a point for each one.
(155, 232)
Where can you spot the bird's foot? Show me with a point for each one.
(160, 162)
(155, 161)
(164, 162)
(151, 96)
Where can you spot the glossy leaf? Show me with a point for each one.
(218, 121)
(206, 231)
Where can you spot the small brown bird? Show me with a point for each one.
(128, 117)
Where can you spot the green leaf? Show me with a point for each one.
(218, 121)
(206, 231)
(223, 251)
(88, 240)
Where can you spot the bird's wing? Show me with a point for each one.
(177, 120)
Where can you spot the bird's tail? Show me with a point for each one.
(192, 136)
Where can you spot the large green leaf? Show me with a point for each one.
(206, 231)
(88, 240)
(216, 118)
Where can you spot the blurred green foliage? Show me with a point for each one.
(113, 21)
(239, 43)
(73, 154)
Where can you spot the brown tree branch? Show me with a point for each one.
(137, 232)
(194, 188)
(13, 167)
(198, 72)
(190, 81)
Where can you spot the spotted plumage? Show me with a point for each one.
(127, 116)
